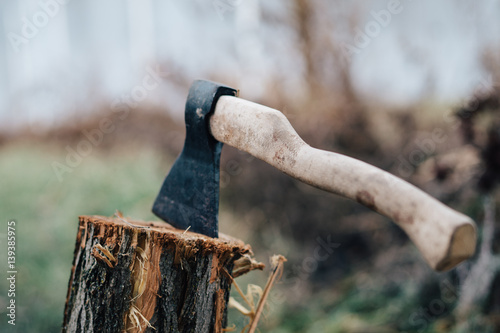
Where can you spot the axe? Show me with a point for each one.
(189, 197)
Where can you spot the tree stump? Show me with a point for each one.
(139, 276)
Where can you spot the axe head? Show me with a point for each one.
(189, 196)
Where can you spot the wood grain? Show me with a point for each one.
(135, 276)
(444, 237)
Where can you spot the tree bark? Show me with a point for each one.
(139, 276)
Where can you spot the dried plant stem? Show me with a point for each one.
(277, 263)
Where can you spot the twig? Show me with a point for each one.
(119, 215)
(277, 262)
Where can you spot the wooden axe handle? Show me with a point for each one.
(445, 237)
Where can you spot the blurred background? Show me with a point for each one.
(91, 118)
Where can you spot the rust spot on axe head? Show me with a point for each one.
(189, 196)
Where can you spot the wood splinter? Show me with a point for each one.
(128, 278)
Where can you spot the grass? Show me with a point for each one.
(46, 213)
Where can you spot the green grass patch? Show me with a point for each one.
(46, 213)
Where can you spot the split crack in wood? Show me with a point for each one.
(134, 276)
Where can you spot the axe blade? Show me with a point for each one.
(189, 196)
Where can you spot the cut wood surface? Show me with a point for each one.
(137, 276)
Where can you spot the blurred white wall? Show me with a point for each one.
(62, 58)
